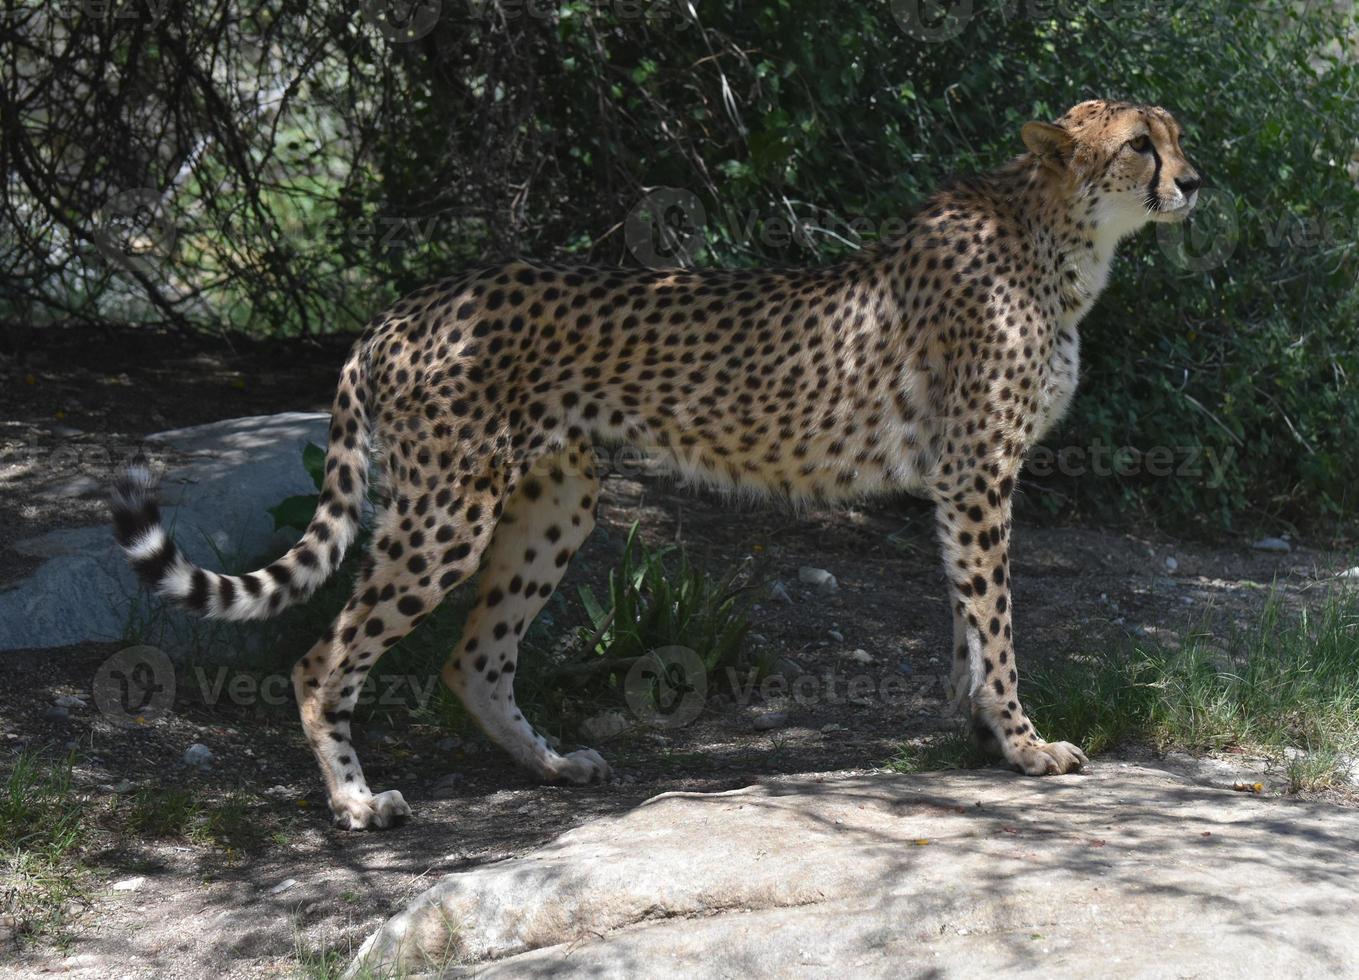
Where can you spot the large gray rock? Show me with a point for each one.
(1127, 872)
(215, 496)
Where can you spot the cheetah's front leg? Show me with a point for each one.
(974, 531)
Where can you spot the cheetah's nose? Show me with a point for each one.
(1188, 184)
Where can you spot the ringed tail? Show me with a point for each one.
(292, 578)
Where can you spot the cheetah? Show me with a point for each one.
(929, 364)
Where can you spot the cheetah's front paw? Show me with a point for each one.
(1046, 758)
(578, 768)
(370, 812)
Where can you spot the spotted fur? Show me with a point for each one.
(930, 364)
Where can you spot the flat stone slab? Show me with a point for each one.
(1125, 871)
(214, 498)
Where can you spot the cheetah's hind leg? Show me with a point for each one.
(546, 519)
(411, 567)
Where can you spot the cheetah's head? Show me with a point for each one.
(1127, 156)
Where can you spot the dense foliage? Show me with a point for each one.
(286, 167)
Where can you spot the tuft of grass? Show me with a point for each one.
(953, 750)
(42, 828)
(319, 964)
(160, 813)
(329, 962)
(236, 822)
(1282, 683)
(654, 603)
(39, 809)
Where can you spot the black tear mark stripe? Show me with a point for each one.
(1154, 198)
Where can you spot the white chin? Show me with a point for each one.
(1173, 217)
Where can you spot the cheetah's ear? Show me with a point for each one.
(1051, 144)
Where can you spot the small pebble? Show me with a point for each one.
(818, 578)
(769, 720)
(604, 725)
(70, 701)
(1171, 564)
(129, 884)
(448, 744)
(56, 713)
(836, 635)
(81, 962)
(779, 593)
(283, 886)
(861, 656)
(1276, 545)
(198, 755)
(447, 784)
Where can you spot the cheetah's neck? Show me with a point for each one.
(1082, 231)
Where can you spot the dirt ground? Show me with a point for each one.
(278, 906)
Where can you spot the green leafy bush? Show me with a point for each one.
(801, 129)
(297, 511)
(653, 603)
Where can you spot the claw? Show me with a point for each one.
(371, 812)
(579, 768)
(1046, 758)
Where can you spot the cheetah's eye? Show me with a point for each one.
(1142, 144)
